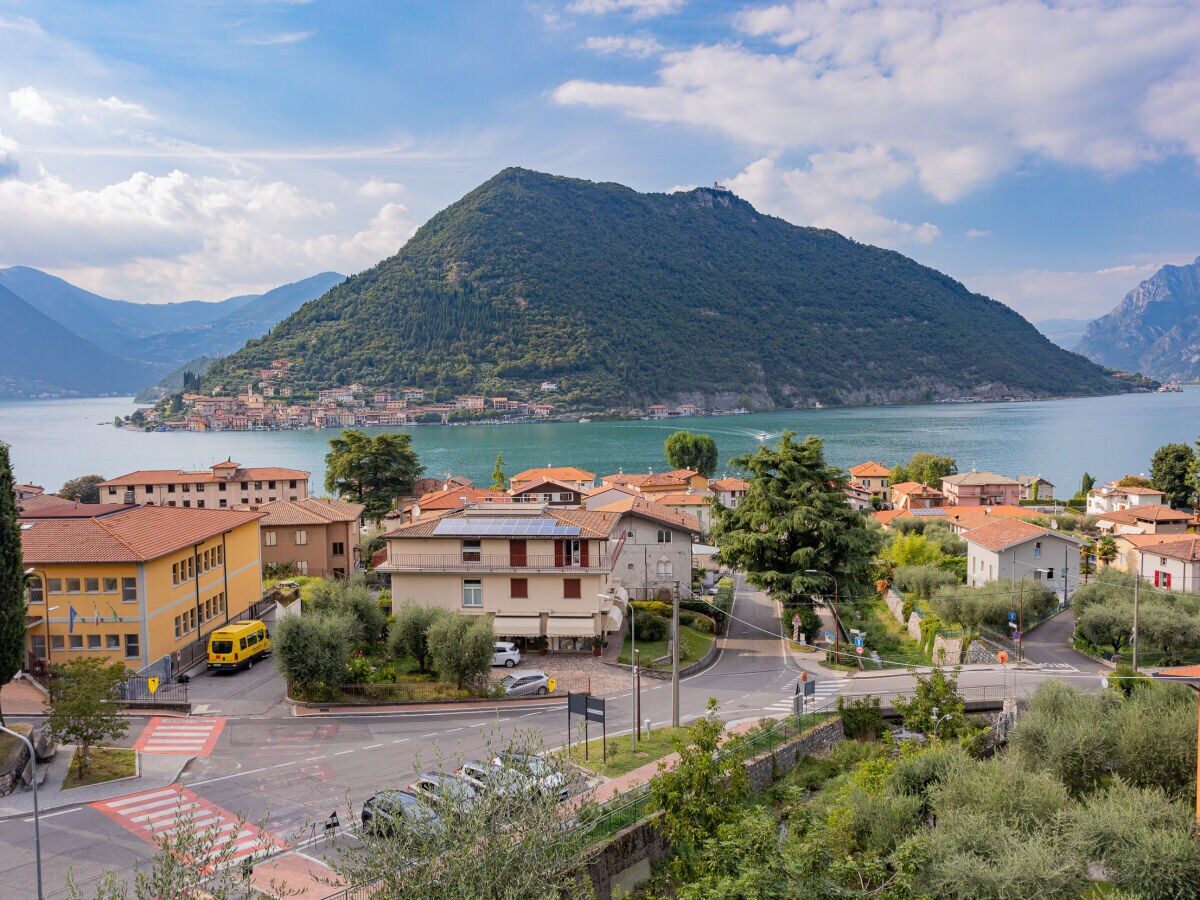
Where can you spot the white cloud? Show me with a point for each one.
(287, 37)
(9, 156)
(31, 106)
(379, 188)
(639, 47)
(638, 9)
(977, 233)
(123, 108)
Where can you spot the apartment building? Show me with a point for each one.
(223, 486)
(320, 537)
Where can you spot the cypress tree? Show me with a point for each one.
(12, 578)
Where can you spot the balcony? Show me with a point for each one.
(455, 562)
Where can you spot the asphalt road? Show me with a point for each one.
(291, 773)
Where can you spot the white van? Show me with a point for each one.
(506, 654)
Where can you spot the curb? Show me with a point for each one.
(42, 810)
(333, 710)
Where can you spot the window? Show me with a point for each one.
(93, 642)
(1049, 573)
(1037, 549)
(76, 641)
(170, 488)
(339, 548)
(519, 587)
(112, 491)
(73, 585)
(207, 610)
(187, 504)
(472, 550)
(270, 485)
(572, 588)
(112, 642)
(631, 533)
(187, 488)
(177, 628)
(221, 487)
(200, 504)
(270, 539)
(301, 538)
(129, 590)
(110, 585)
(37, 589)
(245, 485)
(149, 489)
(57, 642)
(292, 483)
(664, 535)
(224, 503)
(220, 554)
(55, 585)
(132, 648)
(175, 573)
(302, 566)
(472, 592)
(258, 485)
(91, 585)
(663, 569)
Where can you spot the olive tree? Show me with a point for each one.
(461, 647)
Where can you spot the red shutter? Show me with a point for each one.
(517, 554)
(558, 553)
(1156, 578)
(583, 553)
(1166, 579)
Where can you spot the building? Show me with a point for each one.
(915, 495)
(548, 491)
(1045, 488)
(569, 475)
(320, 537)
(689, 504)
(1172, 565)
(981, 489)
(25, 491)
(1150, 518)
(873, 477)
(1111, 497)
(857, 496)
(1011, 550)
(655, 555)
(223, 486)
(139, 583)
(669, 483)
(729, 491)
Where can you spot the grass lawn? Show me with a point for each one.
(104, 764)
(692, 648)
(908, 651)
(8, 742)
(621, 758)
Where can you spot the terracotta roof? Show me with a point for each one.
(625, 479)
(978, 478)
(1186, 549)
(309, 511)
(378, 558)
(729, 483)
(618, 488)
(593, 524)
(40, 502)
(974, 516)
(544, 483)
(1149, 513)
(1179, 672)
(870, 470)
(685, 474)
(453, 498)
(885, 516)
(650, 509)
(138, 534)
(1001, 534)
(555, 473)
(682, 499)
(29, 488)
(1140, 541)
(1141, 491)
(178, 476)
(1027, 480)
(666, 480)
(915, 487)
(67, 509)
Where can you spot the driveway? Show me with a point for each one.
(1049, 645)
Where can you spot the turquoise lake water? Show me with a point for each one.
(54, 440)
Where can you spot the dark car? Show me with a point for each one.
(384, 810)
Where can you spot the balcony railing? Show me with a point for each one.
(499, 562)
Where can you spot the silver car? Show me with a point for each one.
(495, 779)
(544, 777)
(526, 683)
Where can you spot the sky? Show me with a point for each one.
(1044, 153)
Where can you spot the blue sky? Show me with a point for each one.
(1043, 153)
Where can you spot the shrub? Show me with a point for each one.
(923, 580)
(461, 647)
(312, 651)
(649, 627)
(657, 607)
(861, 718)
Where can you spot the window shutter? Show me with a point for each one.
(558, 553)
(583, 553)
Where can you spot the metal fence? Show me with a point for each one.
(137, 690)
(433, 691)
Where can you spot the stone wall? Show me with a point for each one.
(914, 627)
(980, 653)
(895, 602)
(952, 647)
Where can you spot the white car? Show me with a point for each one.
(505, 654)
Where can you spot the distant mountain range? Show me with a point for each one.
(63, 340)
(1064, 332)
(1155, 330)
(625, 299)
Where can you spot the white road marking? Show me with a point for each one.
(61, 812)
(373, 747)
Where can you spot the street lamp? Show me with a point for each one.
(938, 720)
(37, 827)
(837, 621)
(32, 572)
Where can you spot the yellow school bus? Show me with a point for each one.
(238, 644)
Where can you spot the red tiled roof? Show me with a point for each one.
(1141, 491)
(625, 479)
(176, 476)
(555, 473)
(618, 488)
(682, 499)
(729, 483)
(557, 487)
(309, 511)
(915, 487)
(66, 509)
(40, 502)
(1179, 672)
(650, 509)
(139, 534)
(870, 470)
(1151, 512)
(1186, 549)
(1000, 534)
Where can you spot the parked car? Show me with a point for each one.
(494, 778)
(505, 654)
(383, 811)
(526, 683)
(444, 791)
(712, 591)
(544, 776)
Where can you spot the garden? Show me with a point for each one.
(652, 624)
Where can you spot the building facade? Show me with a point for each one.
(320, 537)
(981, 489)
(1012, 550)
(223, 486)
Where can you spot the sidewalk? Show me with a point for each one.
(20, 697)
(157, 771)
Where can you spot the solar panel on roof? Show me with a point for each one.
(480, 527)
(927, 512)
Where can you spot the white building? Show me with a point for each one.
(1009, 550)
(1111, 498)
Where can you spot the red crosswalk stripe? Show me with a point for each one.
(184, 737)
(152, 814)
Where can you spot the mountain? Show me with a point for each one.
(626, 298)
(1155, 329)
(38, 356)
(1063, 332)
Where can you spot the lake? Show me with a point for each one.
(54, 440)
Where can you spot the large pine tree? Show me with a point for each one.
(12, 578)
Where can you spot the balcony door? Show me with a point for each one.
(517, 553)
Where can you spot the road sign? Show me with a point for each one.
(858, 640)
(152, 684)
(829, 636)
(810, 687)
(1012, 617)
(1016, 635)
(551, 684)
(859, 650)
(796, 620)
(595, 709)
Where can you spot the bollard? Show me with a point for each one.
(647, 723)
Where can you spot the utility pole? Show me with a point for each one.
(633, 699)
(1021, 626)
(1133, 638)
(675, 659)
(637, 680)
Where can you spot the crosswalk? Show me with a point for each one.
(153, 814)
(824, 692)
(184, 737)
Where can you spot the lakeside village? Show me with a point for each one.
(553, 557)
(270, 404)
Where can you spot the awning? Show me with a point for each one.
(613, 617)
(571, 626)
(517, 626)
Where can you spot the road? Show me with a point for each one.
(290, 773)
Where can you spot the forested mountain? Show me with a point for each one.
(1155, 329)
(39, 356)
(626, 298)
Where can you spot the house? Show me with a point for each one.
(962, 519)
(569, 475)
(873, 477)
(1045, 489)
(139, 583)
(671, 482)
(1012, 550)
(1110, 497)
(320, 537)
(655, 554)
(1131, 546)
(223, 486)
(607, 494)
(1172, 565)
(427, 485)
(435, 503)
(915, 495)
(658, 411)
(981, 489)
(729, 491)
(857, 496)
(1149, 518)
(25, 491)
(689, 503)
(548, 491)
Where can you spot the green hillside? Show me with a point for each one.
(626, 298)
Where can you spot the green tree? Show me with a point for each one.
(83, 704)
(408, 635)
(911, 549)
(84, 489)
(1086, 484)
(1171, 472)
(701, 792)
(354, 599)
(12, 578)
(461, 647)
(925, 468)
(312, 651)
(499, 482)
(939, 691)
(687, 450)
(795, 518)
(1135, 481)
(373, 471)
(1106, 550)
